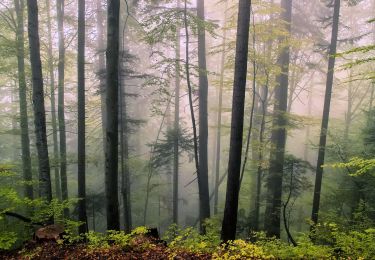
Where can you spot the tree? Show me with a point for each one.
(25, 139)
(81, 119)
(326, 110)
(278, 136)
(53, 105)
(176, 125)
(60, 5)
(228, 230)
(219, 115)
(45, 190)
(204, 200)
(112, 79)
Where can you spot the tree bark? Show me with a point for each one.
(45, 190)
(220, 104)
(101, 65)
(22, 88)
(326, 110)
(228, 231)
(112, 79)
(61, 101)
(82, 216)
(278, 137)
(53, 106)
(176, 125)
(203, 188)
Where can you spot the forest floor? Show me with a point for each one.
(52, 250)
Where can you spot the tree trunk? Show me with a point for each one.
(45, 190)
(176, 125)
(22, 88)
(220, 104)
(53, 106)
(82, 216)
(125, 171)
(278, 137)
(124, 139)
(101, 64)
(61, 103)
(260, 156)
(326, 110)
(111, 153)
(228, 231)
(204, 201)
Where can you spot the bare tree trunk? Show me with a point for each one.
(264, 104)
(25, 139)
(61, 101)
(111, 153)
(53, 106)
(203, 185)
(190, 93)
(220, 104)
(326, 110)
(176, 125)
(82, 216)
(101, 64)
(45, 190)
(278, 138)
(228, 230)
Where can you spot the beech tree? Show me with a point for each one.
(278, 137)
(112, 90)
(326, 110)
(228, 229)
(45, 190)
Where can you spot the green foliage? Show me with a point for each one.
(7, 240)
(360, 166)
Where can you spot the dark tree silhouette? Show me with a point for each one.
(228, 230)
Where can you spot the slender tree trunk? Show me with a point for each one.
(228, 230)
(220, 104)
(190, 93)
(45, 190)
(125, 171)
(22, 88)
(124, 142)
(53, 106)
(101, 64)
(326, 110)
(176, 125)
(308, 128)
(203, 188)
(111, 153)
(278, 138)
(61, 103)
(82, 216)
(264, 104)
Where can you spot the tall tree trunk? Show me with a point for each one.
(25, 140)
(124, 137)
(53, 105)
(278, 137)
(176, 125)
(260, 156)
(228, 230)
(101, 64)
(111, 153)
(82, 216)
(125, 171)
(204, 200)
(190, 94)
(61, 103)
(220, 104)
(45, 190)
(326, 110)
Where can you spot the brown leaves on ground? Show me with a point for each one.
(52, 250)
